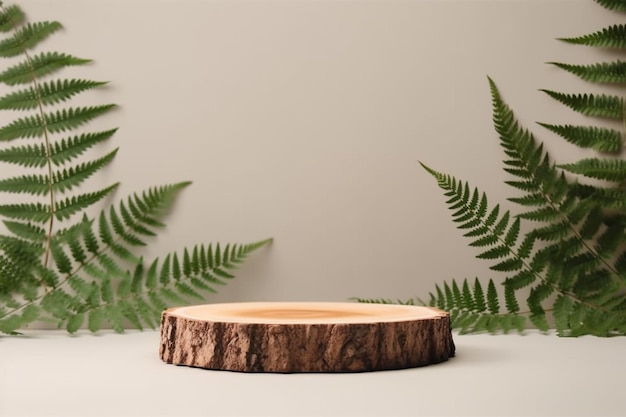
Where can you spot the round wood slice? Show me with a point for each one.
(305, 336)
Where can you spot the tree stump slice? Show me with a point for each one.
(292, 337)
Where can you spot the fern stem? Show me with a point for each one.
(46, 135)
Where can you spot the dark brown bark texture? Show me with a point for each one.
(311, 347)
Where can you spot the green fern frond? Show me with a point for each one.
(26, 156)
(62, 180)
(530, 162)
(10, 17)
(611, 198)
(59, 121)
(35, 212)
(529, 200)
(569, 265)
(472, 310)
(67, 149)
(68, 119)
(138, 298)
(610, 37)
(26, 231)
(68, 178)
(153, 203)
(39, 66)
(617, 5)
(543, 214)
(17, 260)
(11, 324)
(601, 105)
(46, 93)
(486, 229)
(26, 37)
(599, 138)
(69, 206)
(609, 240)
(592, 223)
(29, 184)
(603, 169)
(604, 72)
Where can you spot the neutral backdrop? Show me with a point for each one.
(305, 121)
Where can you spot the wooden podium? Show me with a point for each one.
(305, 336)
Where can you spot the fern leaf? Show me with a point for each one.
(485, 240)
(136, 284)
(508, 265)
(81, 287)
(538, 315)
(46, 93)
(610, 37)
(95, 319)
(467, 297)
(128, 312)
(148, 314)
(28, 184)
(10, 17)
(456, 294)
(495, 253)
(10, 324)
(26, 37)
(607, 197)
(599, 138)
(543, 214)
(26, 156)
(531, 164)
(111, 267)
(68, 178)
(122, 231)
(510, 300)
(603, 169)
(71, 118)
(473, 311)
(26, 231)
(39, 66)
(59, 121)
(187, 291)
(67, 207)
(69, 148)
(617, 5)
(34, 212)
(175, 271)
(59, 304)
(479, 297)
(609, 240)
(592, 223)
(190, 266)
(157, 301)
(164, 274)
(591, 104)
(75, 322)
(151, 278)
(604, 72)
(25, 127)
(115, 318)
(533, 199)
(520, 280)
(61, 259)
(492, 298)
(129, 220)
(78, 253)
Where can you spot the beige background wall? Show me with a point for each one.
(305, 121)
